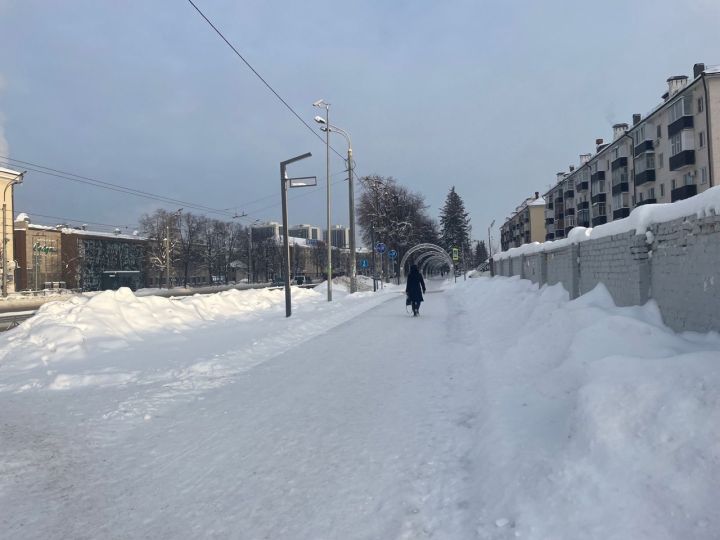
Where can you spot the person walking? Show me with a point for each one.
(414, 289)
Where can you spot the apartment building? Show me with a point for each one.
(339, 237)
(309, 232)
(670, 154)
(525, 225)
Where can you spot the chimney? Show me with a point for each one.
(619, 130)
(636, 119)
(698, 70)
(537, 194)
(560, 176)
(676, 83)
(584, 158)
(665, 96)
(598, 142)
(572, 168)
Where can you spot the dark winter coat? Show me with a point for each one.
(415, 286)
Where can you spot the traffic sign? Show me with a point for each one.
(364, 263)
(455, 254)
(380, 247)
(392, 253)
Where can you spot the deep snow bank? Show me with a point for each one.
(602, 423)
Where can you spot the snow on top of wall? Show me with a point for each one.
(540, 201)
(712, 69)
(639, 220)
(9, 171)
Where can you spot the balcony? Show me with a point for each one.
(559, 199)
(645, 146)
(559, 225)
(599, 220)
(599, 198)
(622, 187)
(549, 236)
(569, 194)
(619, 162)
(646, 201)
(684, 122)
(682, 159)
(647, 175)
(683, 192)
(570, 212)
(582, 186)
(600, 175)
(584, 205)
(560, 233)
(549, 221)
(621, 213)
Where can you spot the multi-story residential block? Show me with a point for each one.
(339, 236)
(671, 154)
(676, 151)
(305, 231)
(526, 224)
(263, 231)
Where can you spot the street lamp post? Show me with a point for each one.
(489, 249)
(286, 182)
(17, 180)
(327, 128)
(321, 103)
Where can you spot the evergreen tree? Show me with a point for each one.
(481, 253)
(454, 223)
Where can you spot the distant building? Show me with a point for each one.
(305, 231)
(264, 231)
(94, 261)
(339, 237)
(39, 256)
(525, 225)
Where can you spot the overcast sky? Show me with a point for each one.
(491, 97)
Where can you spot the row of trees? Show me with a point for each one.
(387, 212)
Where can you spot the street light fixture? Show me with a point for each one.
(17, 180)
(327, 128)
(322, 104)
(286, 182)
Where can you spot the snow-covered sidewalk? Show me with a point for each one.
(503, 411)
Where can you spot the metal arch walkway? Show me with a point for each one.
(431, 254)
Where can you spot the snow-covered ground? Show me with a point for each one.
(503, 411)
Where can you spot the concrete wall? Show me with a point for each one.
(677, 265)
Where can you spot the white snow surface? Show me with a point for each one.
(640, 219)
(503, 411)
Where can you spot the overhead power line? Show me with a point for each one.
(112, 187)
(267, 84)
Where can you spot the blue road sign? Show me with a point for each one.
(380, 247)
(364, 263)
(392, 253)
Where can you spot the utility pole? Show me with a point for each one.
(353, 262)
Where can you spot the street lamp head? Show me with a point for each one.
(323, 128)
(320, 103)
(320, 120)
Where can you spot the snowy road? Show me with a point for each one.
(356, 421)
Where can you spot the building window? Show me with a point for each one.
(701, 139)
(688, 179)
(675, 144)
(659, 131)
(703, 175)
(640, 195)
(662, 190)
(673, 184)
(682, 107)
(616, 152)
(651, 193)
(660, 161)
(700, 104)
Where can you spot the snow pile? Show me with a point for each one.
(602, 422)
(111, 319)
(640, 219)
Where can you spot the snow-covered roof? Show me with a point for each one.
(81, 232)
(537, 202)
(639, 220)
(9, 171)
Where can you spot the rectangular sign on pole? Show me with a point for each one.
(455, 255)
